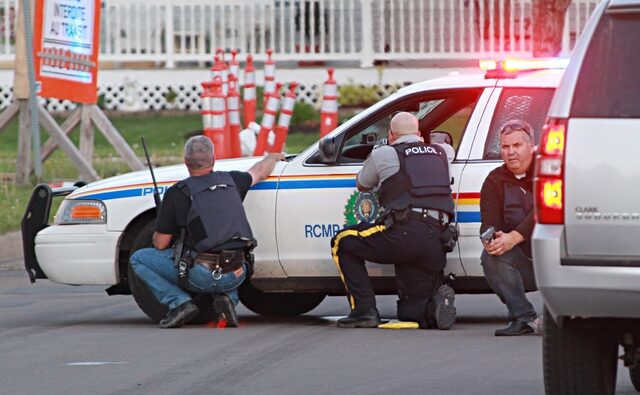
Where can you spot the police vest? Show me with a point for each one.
(216, 215)
(422, 181)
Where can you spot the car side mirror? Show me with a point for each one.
(328, 150)
(440, 137)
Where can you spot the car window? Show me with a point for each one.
(528, 104)
(446, 112)
(609, 82)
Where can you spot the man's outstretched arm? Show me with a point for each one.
(261, 170)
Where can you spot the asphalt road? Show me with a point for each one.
(59, 339)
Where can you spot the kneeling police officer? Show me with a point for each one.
(413, 181)
(215, 255)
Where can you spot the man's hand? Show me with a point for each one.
(503, 242)
(161, 241)
(261, 170)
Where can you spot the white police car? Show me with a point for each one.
(305, 201)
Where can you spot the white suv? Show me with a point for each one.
(586, 243)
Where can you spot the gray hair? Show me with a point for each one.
(198, 152)
(517, 125)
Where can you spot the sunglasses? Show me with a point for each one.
(516, 125)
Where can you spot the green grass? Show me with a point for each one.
(164, 135)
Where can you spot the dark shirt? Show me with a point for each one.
(500, 182)
(176, 204)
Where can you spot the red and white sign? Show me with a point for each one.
(66, 37)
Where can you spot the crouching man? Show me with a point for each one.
(206, 208)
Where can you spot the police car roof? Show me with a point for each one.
(547, 78)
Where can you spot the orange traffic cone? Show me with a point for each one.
(249, 95)
(284, 120)
(329, 110)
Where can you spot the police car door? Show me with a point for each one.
(316, 198)
(506, 103)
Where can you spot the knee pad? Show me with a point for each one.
(413, 309)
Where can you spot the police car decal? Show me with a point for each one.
(361, 207)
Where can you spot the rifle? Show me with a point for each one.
(183, 265)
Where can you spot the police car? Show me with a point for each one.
(306, 200)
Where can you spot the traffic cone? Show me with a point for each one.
(268, 118)
(284, 120)
(217, 133)
(233, 109)
(205, 100)
(234, 65)
(269, 75)
(329, 110)
(249, 94)
(219, 70)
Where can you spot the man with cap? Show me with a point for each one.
(412, 179)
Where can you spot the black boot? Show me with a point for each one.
(442, 312)
(515, 328)
(225, 310)
(365, 317)
(177, 317)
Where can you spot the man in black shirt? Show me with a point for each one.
(208, 204)
(506, 204)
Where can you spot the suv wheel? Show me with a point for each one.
(578, 360)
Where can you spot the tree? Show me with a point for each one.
(548, 23)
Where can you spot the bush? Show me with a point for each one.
(304, 113)
(358, 95)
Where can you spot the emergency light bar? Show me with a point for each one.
(509, 68)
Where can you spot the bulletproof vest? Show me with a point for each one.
(216, 215)
(518, 203)
(422, 181)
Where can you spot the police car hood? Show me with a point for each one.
(164, 175)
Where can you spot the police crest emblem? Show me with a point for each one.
(361, 207)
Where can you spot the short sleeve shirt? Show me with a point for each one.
(382, 163)
(176, 204)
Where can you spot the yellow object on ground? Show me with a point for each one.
(394, 324)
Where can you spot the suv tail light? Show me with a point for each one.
(549, 179)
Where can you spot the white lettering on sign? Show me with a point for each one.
(68, 32)
(421, 150)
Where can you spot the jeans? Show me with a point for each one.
(507, 275)
(155, 267)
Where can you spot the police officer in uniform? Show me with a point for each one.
(208, 205)
(413, 181)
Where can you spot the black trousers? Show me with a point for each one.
(414, 248)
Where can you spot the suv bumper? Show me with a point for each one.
(581, 291)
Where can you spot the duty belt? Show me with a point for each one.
(424, 213)
(224, 261)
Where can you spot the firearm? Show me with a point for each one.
(156, 194)
(488, 234)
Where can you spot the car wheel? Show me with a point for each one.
(578, 360)
(634, 374)
(145, 298)
(278, 303)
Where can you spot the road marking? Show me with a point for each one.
(94, 363)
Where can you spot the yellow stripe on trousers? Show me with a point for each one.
(334, 251)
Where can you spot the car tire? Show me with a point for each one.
(147, 301)
(634, 374)
(578, 360)
(278, 303)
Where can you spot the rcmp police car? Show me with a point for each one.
(305, 201)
